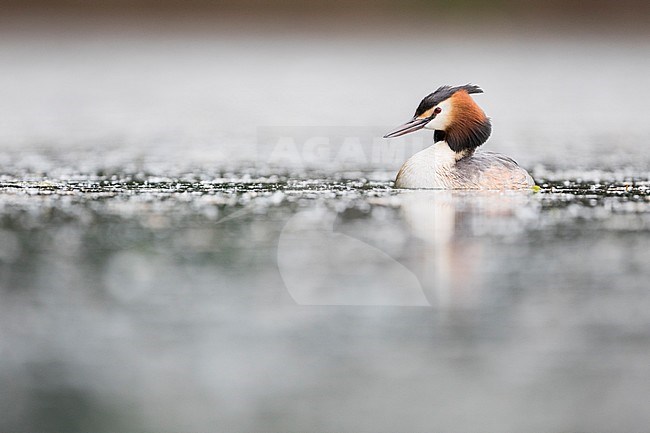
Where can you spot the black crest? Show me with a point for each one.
(443, 93)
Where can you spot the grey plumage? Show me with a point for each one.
(488, 170)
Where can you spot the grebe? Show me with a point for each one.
(452, 162)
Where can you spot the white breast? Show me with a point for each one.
(429, 168)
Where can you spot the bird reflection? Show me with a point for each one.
(324, 261)
(448, 231)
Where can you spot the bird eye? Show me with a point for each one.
(437, 110)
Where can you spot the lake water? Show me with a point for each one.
(199, 232)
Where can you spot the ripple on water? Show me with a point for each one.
(88, 199)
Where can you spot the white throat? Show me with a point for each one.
(429, 168)
(443, 154)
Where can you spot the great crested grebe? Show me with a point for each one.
(452, 162)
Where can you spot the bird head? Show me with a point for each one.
(454, 115)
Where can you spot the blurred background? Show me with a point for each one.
(161, 271)
(191, 82)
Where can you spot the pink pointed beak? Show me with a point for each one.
(410, 126)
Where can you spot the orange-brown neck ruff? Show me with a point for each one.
(469, 126)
